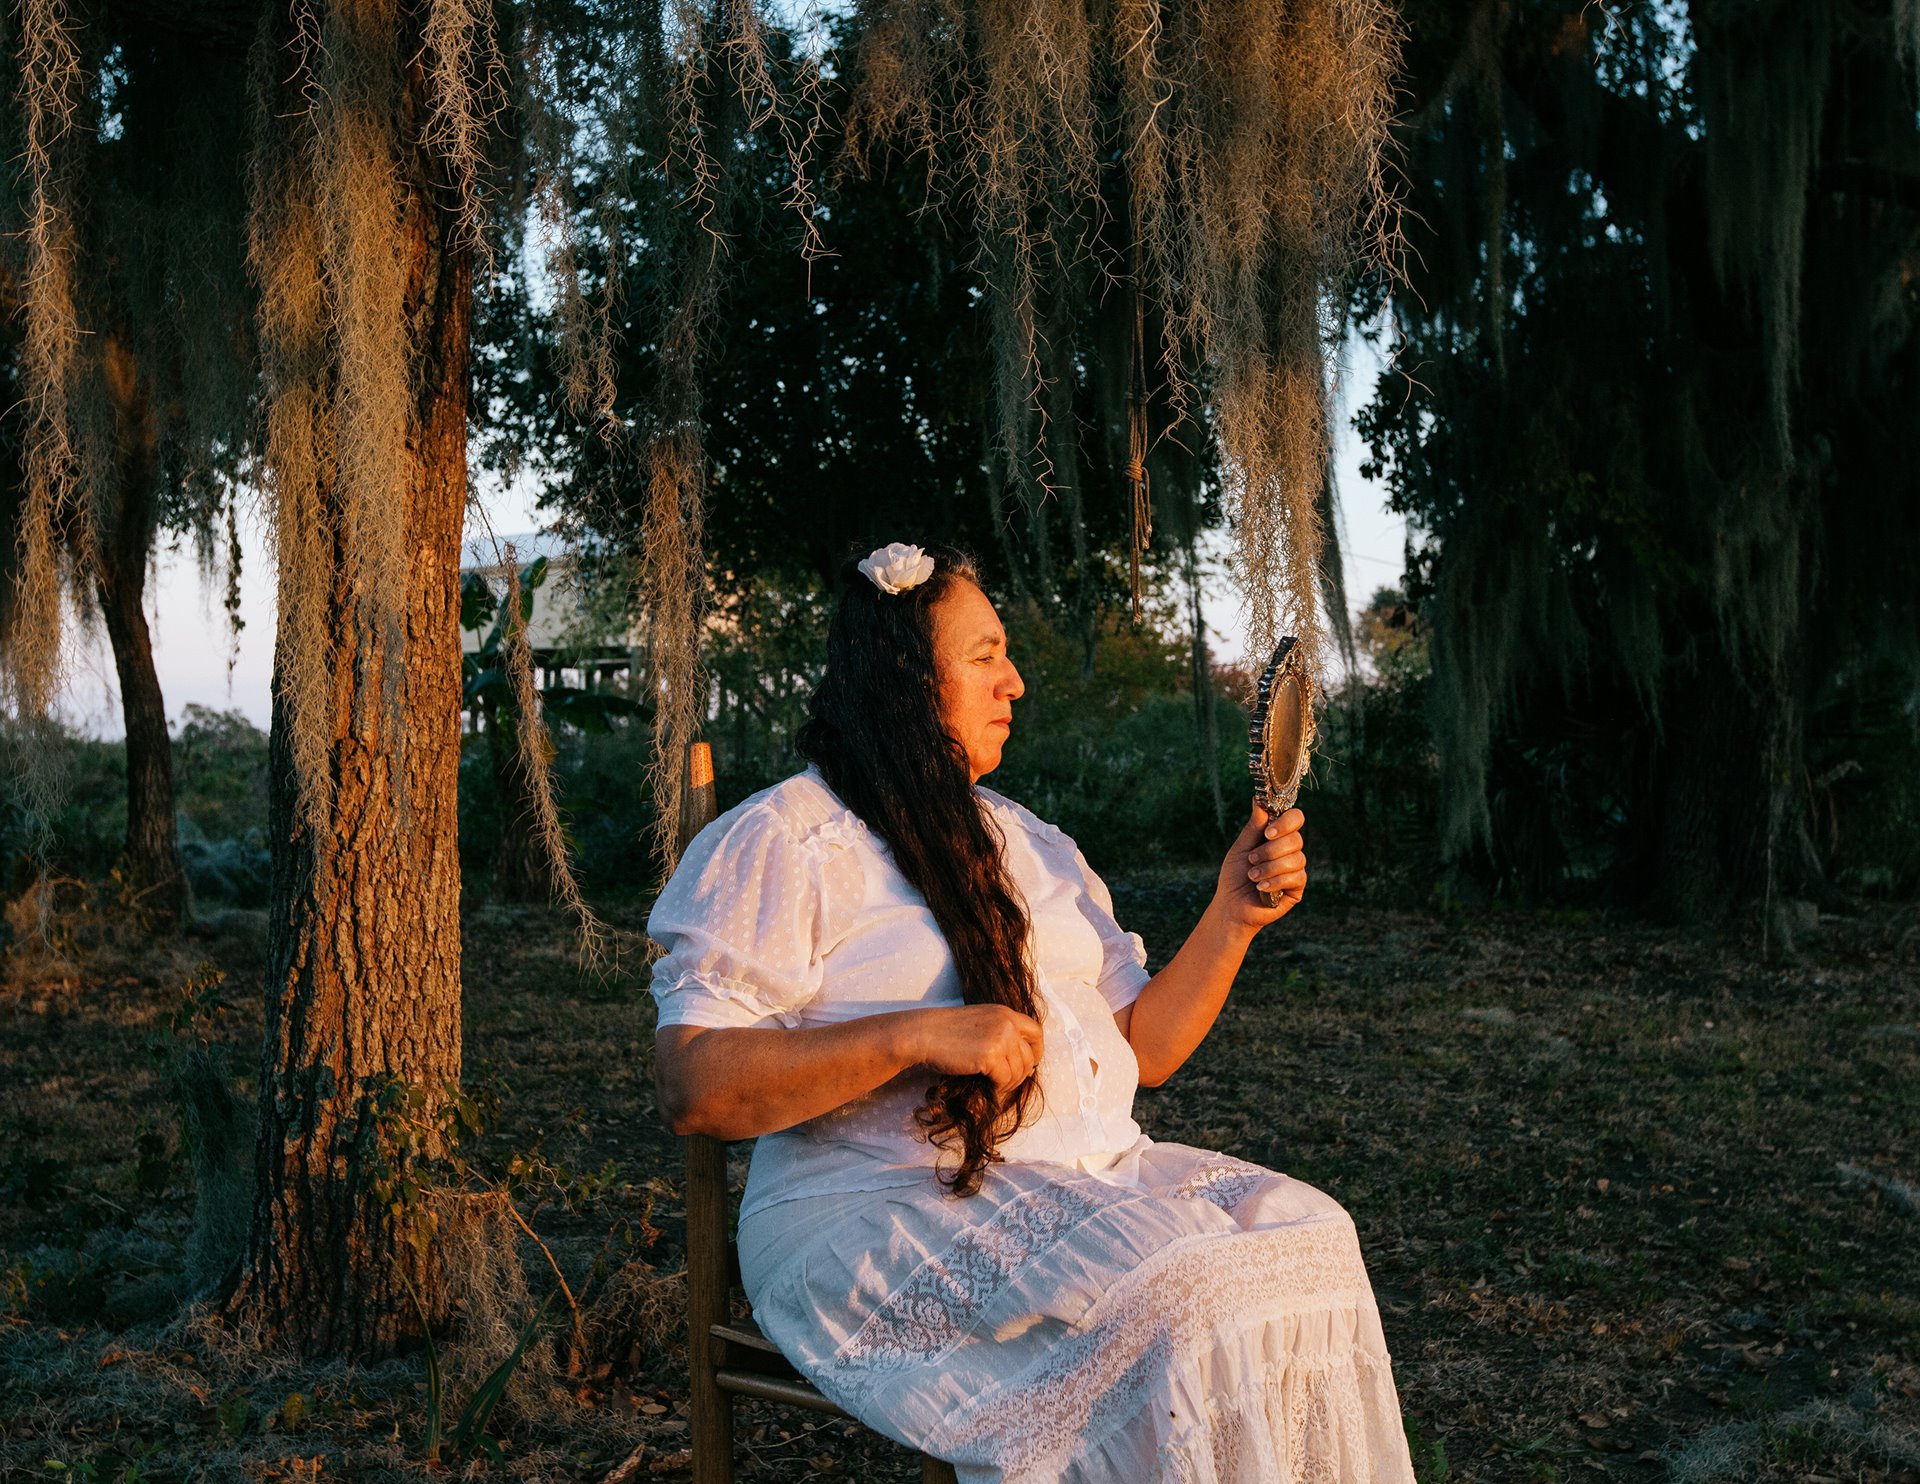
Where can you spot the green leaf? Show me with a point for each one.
(531, 578)
(590, 711)
(470, 1430)
(234, 1413)
(490, 679)
(430, 1445)
(477, 602)
(153, 1167)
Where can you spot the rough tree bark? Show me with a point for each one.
(1731, 782)
(1715, 797)
(150, 862)
(363, 972)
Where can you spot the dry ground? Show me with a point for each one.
(1639, 1205)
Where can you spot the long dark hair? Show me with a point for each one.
(874, 731)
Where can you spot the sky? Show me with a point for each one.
(191, 644)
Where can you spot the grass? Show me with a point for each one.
(1631, 1199)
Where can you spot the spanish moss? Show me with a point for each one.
(56, 509)
(534, 757)
(1249, 138)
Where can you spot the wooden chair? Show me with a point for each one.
(730, 1357)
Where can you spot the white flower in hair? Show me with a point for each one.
(897, 566)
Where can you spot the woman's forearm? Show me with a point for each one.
(741, 1082)
(1180, 1003)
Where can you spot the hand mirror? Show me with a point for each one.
(1281, 735)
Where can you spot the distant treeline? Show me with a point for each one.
(1120, 759)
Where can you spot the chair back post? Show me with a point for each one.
(710, 1408)
(708, 1277)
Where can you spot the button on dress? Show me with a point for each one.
(1106, 1307)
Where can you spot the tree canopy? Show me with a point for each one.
(1656, 365)
(1154, 208)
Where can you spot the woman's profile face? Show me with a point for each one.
(978, 683)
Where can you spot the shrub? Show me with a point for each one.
(220, 773)
(87, 824)
(233, 870)
(220, 798)
(606, 814)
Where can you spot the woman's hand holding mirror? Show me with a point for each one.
(1265, 872)
(1279, 747)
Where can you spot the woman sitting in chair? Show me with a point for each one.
(914, 993)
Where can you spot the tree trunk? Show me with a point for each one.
(150, 862)
(1715, 796)
(362, 1045)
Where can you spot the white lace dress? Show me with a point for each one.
(1106, 1307)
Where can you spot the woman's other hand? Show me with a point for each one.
(738, 1082)
(991, 1040)
(1268, 853)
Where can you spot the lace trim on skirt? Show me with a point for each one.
(1213, 1324)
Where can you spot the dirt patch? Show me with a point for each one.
(1634, 1201)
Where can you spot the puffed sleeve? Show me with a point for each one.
(1123, 957)
(740, 922)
